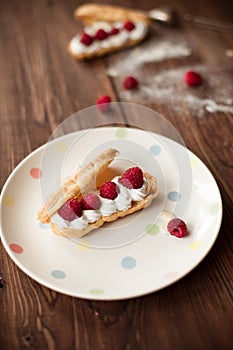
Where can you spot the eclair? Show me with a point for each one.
(82, 204)
(106, 29)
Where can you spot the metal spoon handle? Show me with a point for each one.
(213, 24)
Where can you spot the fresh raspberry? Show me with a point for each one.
(132, 178)
(91, 201)
(114, 31)
(103, 103)
(177, 227)
(192, 78)
(86, 39)
(109, 190)
(101, 34)
(129, 26)
(130, 83)
(71, 209)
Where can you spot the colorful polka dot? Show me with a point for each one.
(58, 274)
(96, 291)
(8, 200)
(61, 147)
(128, 262)
(214, 208)
(155, 150)
(194, 163)
(152, 229)
(44, 226)
(195, 245)
(121, 133)
(16, 248)
(174, 196)
(35, 173)
(170, 275)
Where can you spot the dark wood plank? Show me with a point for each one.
(40, 87)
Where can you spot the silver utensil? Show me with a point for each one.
(168, 16)
(210, 23)
(164, 15)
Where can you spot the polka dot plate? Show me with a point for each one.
(134, 255)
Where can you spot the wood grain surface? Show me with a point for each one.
(40, 86)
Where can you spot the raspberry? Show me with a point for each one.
(130, 83)
(86, 39)
(132, 178)
(177, 227)
(70, 209)
(101, 34)
(114, 31)
(129, 26)
(192, 78)
(103, 103)
(91, 201)
(109, 190)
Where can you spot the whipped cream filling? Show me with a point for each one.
(108, 206)
(119, 39)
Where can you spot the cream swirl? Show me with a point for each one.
(108, 206)
(124, 199)
(59, 221)
(92, 215)
(79, 223)
(137, 194)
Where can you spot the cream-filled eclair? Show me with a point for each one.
(82, 205)
(106, 29)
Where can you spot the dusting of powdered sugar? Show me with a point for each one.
(152, 51)
(167, 87)
(210, 105)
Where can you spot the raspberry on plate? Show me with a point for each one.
(91, 201)
(130, 83)
(129, 26)
(103, 103)
(177, 227)
(132, 178)
(192, 78)
(109, 190)
(86, 39)
(101, 34)
(70, 209)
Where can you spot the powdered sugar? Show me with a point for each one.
(210, 105)
(167, 86)
(152, 51)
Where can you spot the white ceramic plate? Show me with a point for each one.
(128, 258)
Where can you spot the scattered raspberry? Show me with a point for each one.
(192, 78)
(86, 39)
(129, 26)
(132, 178)
(103, 103)
(109, 190)
(91, 201)
(101, 34)
(177, 227)
(71, 209)
(130, 83)
(114, 31)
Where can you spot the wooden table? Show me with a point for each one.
(40, 86)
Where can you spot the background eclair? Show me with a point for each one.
(122, 28)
